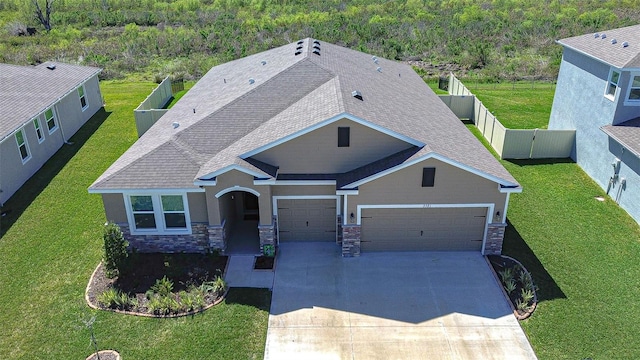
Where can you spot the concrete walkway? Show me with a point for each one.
(240, 273)
(434, 305)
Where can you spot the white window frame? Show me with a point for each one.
(632, 102)
(607, 94)
(25, 142)
(84, 95)
(158, 212)
(39, 131)
(54, 118)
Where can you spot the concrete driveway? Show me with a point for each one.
(388, 306)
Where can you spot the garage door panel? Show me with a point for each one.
(423, 229)
(307, 219)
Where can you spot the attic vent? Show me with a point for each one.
(51, 66)
(175, 124)
(251, 81)
(603, 36)
(596, 35)
(263, 62)
(300, 42)
(614, 41)
(625, 44)
(379, 69)
(357, 94)
(316, 42)
(317, 52)
(298, 53)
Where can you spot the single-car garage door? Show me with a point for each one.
(307, 219)
(423, 229)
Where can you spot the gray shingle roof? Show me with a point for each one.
(626, 133)
(26, 91)
(289, 94)
(602, 48)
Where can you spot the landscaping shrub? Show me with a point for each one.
(115, 250)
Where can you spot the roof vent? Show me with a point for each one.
(316, 42)
(379, 69)
(51, 66)
(356, 94)
(596, 35)
(300, 42)
(316, 52)
(299, 47)
(298, 53)
(316, 47)
(264, 62)
(375, 59)
(251, 81)
(176, 124)
(625, 44)
(614, 41)
(604, 36)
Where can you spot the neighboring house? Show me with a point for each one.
(598, 95)
(41, 107)
(309, 142)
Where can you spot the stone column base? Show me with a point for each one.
(267, 236)
(351, 240)
(495, 238)
(217, 238)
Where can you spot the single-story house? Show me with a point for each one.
(41, 107)
(598, 95)
(309, 142)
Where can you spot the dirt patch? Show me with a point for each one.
(104, 355)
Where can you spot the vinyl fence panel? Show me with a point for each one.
(553, 144)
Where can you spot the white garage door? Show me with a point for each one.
(431, 229)
(307, 219)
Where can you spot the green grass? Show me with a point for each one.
(584, 258)
(51, 242)
(517, 106)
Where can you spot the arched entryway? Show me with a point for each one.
(239, 210)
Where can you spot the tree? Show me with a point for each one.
(115, 250)
(44, 19)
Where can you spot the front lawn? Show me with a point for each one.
(52, 241)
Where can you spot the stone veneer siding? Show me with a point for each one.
(196, 242)
(217, 239)
(267, 234)
(495, 237)
(351, 240)
(339, 229)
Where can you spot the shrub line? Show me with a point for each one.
(192, 312)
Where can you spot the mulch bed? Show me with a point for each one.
(144, 269)
(499, 263)
(264, 263)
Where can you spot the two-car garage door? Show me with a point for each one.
(423, 229)
(306, 220)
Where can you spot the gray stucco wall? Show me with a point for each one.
(579, 103)
(69, 117)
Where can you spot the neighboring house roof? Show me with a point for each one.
(27, 91)
(626, 133)
(262, 100)
(608, 46)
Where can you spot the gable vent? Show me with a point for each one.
(251, 81)
(614, 41)
(357, 94)
(625, 44)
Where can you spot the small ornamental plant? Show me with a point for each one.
(115, 250)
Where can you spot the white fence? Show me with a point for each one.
(508, 143)
(151, 109)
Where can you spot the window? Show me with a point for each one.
(143, 214)
(343, 136)
(39, 133)
(158, 214)
(23, 147)
(634, 89)
(173, 209)
(50, 119)
(612, 84)
(83, 98)
(428, 176)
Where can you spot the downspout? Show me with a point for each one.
(623, 183)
